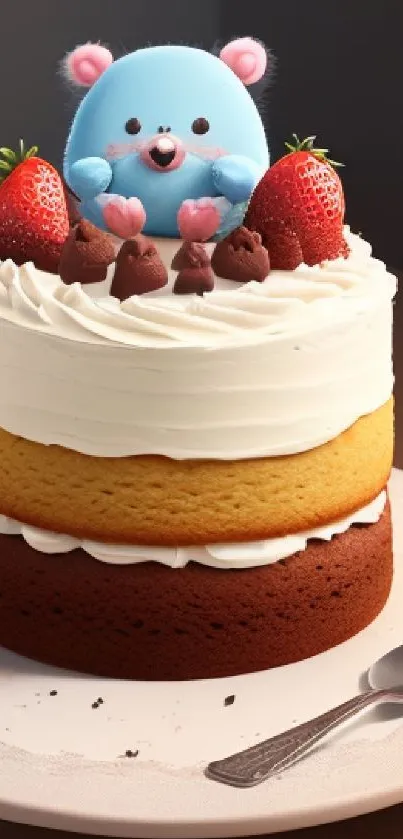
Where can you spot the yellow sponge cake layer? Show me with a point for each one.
(158, 501)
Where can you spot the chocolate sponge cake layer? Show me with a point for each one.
(148, 621)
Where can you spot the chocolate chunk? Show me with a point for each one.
(194, 281)
(229, 700)
(86, 254)
(241, 257)
(95, 705)
(195, 273)
(130, 753)
(179, 260)
(52, 693)
(139, 269)
(190, 255)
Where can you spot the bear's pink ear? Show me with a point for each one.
(86, 64)
(247, 58)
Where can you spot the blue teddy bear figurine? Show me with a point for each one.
(167, 140)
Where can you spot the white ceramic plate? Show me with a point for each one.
(61, 762)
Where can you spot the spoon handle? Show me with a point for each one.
(254, 765)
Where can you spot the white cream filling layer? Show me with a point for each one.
(238, 555)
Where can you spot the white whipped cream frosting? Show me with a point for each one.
(225, 556)
(260, 369)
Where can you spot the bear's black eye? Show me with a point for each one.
(200, 125)
(133, 125)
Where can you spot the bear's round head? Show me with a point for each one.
(166, 110)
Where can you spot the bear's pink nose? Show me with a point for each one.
(163, 153)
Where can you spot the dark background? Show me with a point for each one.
(338, 74)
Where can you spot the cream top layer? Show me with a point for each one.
(262, 369)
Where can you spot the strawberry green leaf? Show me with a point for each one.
(8, 154)
(308, 146)
(335, 163)
(12, 159)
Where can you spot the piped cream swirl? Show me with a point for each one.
(231, 313)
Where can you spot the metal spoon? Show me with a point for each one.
(254, 765)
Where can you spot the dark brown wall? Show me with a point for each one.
(35, 103)
(339, 75)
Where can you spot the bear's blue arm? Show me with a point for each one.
(231, 220)
(235, 177)
(88, 177)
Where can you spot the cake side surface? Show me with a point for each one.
(159, 501)
(255, 370)
(147, 621)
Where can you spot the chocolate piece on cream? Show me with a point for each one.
(86, 255)
(139, 269)
(241, 257)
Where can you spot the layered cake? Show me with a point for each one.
(196, 415)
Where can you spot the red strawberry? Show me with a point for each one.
(298, 208)
(34, 221)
